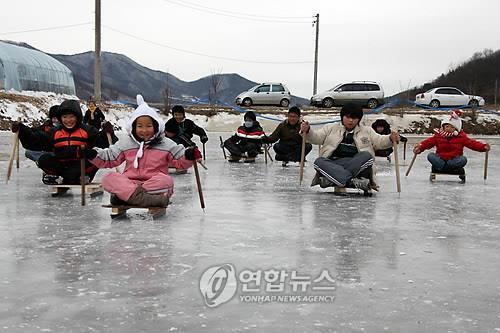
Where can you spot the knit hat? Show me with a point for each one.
(295, 110)
(53, 111)
(143, 109)
(178, 109)
(250, 115)
(454, 120)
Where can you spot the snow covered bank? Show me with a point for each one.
(32, 108)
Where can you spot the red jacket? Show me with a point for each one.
(451, 147)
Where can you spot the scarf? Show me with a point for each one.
(140, 153)
(445, 134)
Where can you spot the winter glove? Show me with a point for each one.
(204, 139)
(15, 126)
(192, 154)
(107, 127)
(89, 154)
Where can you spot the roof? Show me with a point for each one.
(21, 55)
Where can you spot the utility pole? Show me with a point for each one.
(315, 85)
(97, 62)
(496, 92)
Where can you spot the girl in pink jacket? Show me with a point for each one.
(147, 154)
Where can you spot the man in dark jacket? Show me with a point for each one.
(290, 141)
(64, 143)
(181, 130)
(94, 116)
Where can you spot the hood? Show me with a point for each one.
(143, 109)
(382, 123)
(70, 106)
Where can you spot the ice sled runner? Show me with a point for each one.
(121, 211)
(343, 191)
(458, 172)
(92, 189)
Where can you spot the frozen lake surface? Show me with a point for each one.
(425, 260)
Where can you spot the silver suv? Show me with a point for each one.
(366, 93)
(265, 94)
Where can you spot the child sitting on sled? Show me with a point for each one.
(247, 142)
(450, 141)
(147, 154)
(382, 127)
(62, 145)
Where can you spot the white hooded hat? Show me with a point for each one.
(143, 109)
(454, 120)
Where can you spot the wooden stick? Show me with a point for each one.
(204, 155)
(202, 165)
(486, 165)
(82, 175)
(222, 146)
(302, 157)
(265, 153)
(17, 154)
(411, 164)
(198, 184)
(15, 143)
(396, 165)
(269, 154)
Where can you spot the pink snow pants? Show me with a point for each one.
(123, 187)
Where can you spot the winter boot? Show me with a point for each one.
(361, 183)
(324, 182)
(233, 158)
(141, 198)
(462, 178)
(315, 180)
(51, 179)
(249, 160)
(115, 201)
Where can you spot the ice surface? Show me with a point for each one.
(425, 260)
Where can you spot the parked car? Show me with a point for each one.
(265, 94)
(366, 93)
(447, 96)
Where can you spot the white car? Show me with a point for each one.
(447, 96)
(265, 94)
(366, 93)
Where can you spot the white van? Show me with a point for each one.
(366, 93)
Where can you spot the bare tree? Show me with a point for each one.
(167, 96)
(214, 86)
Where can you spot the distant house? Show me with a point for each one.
(26, 69)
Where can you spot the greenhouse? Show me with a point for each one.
(26, 69)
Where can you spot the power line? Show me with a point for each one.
(45, 29)
(239, 16)
(244, 14)
(203, 54)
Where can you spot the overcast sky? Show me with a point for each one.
(395, 42)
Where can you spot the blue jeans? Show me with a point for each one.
(34, 155)
(439, 164)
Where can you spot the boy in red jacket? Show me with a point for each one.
(450, 141)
